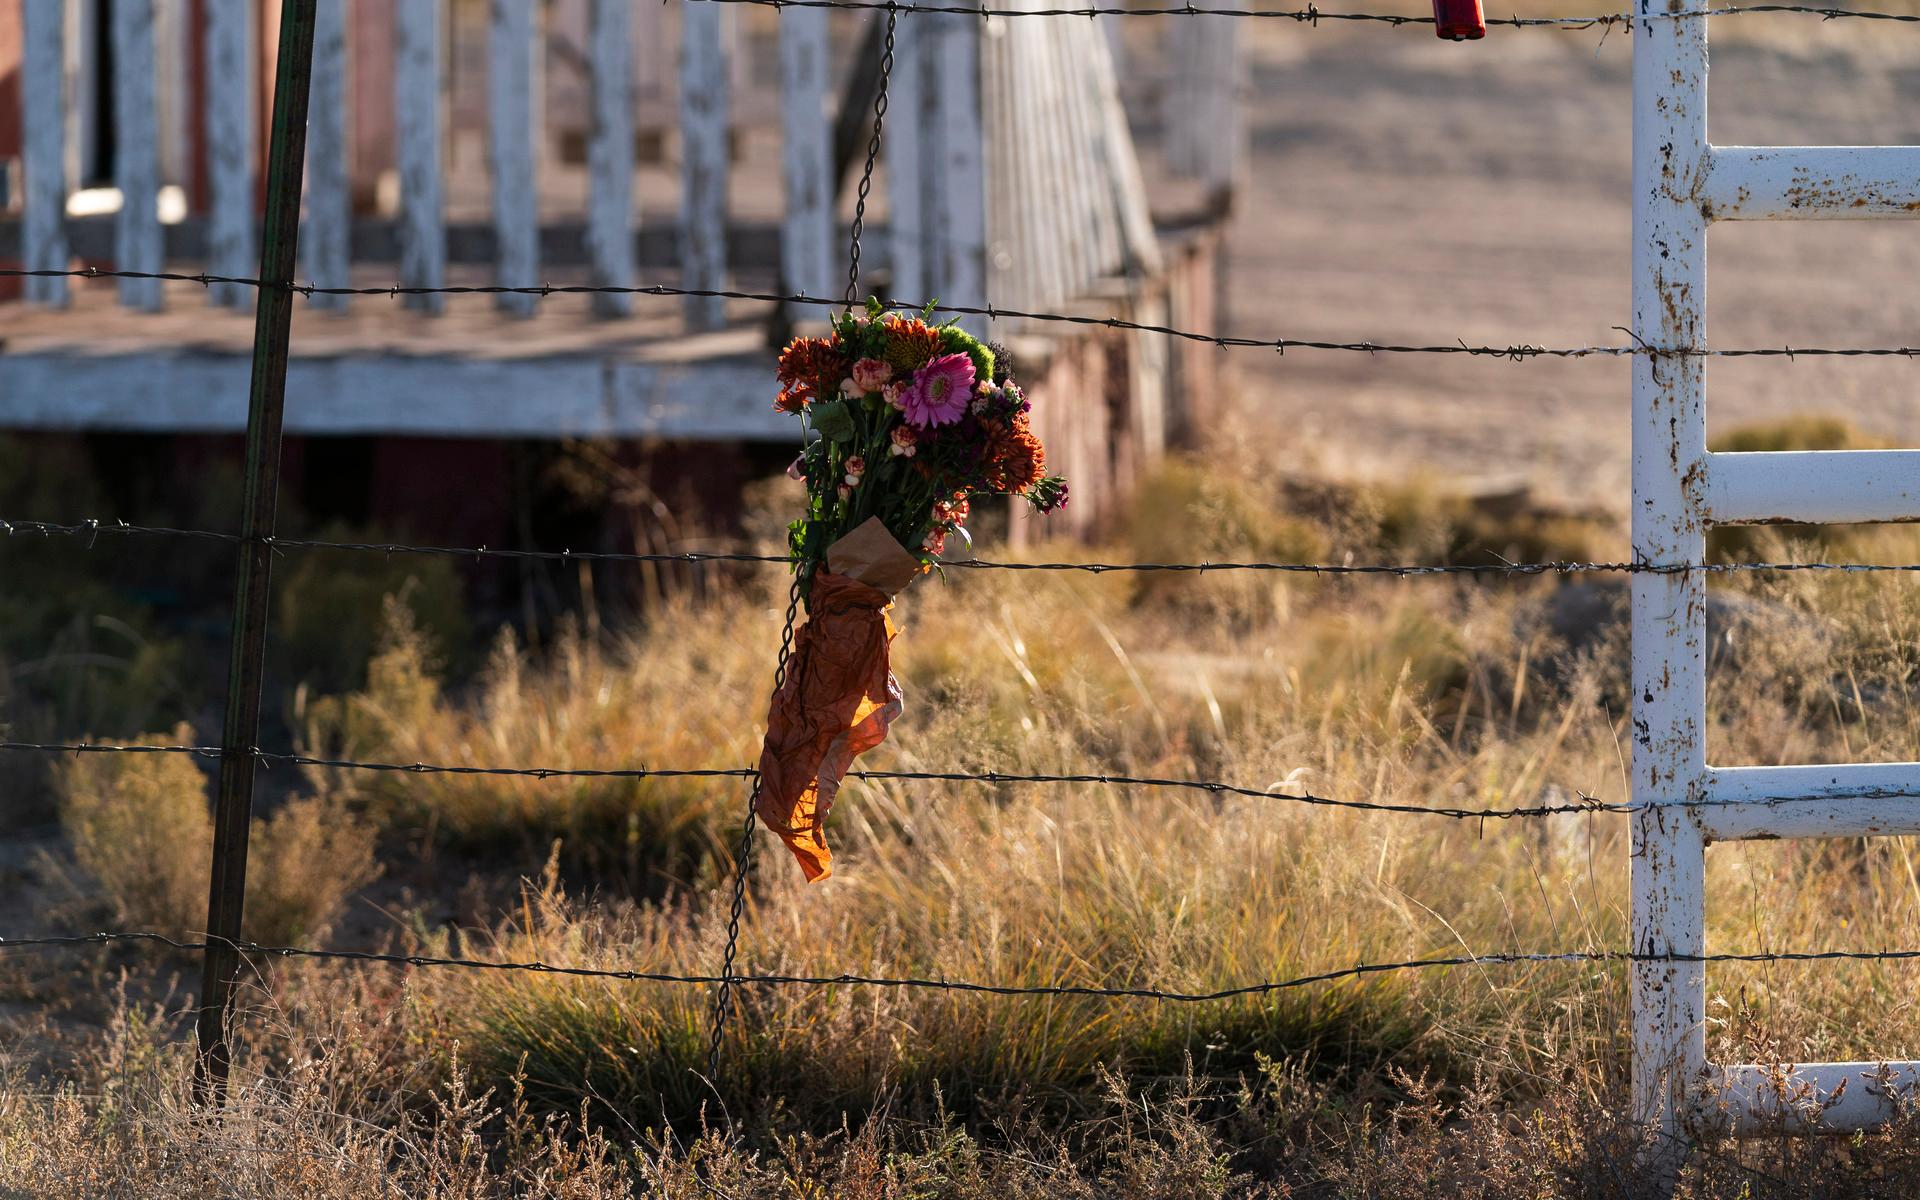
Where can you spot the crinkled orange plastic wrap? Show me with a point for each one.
(836, 703)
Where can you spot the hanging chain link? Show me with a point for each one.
(743, 856)
(873, 153)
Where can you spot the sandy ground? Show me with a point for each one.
(1406, 189)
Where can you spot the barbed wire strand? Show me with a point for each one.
(92, 529)
(1231, 992)
(1519, 352)
(1313, 15)
(1584, 804)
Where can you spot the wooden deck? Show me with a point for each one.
(380, 368)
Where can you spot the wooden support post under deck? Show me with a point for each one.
(703, 162)
(416, 93)
(44, 118)
(324, 236)
(610, 220)
(806, 233)
(136, 155)
(512, 68)
(229, 128)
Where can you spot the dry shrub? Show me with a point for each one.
(141, 828)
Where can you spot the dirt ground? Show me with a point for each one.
(1406, 189)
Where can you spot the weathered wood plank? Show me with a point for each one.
(1080, 43)
(512, 58)
(1206, 130)
(1007, 253)
(43, 113)
(703, 161)
(959, 166)
(416, 93)
(581, 395)
(806, 233)
(610, 215)
(903, 144)
(325, 232)
(136, 156)
(1051, 214)
(230, 136)
(1139, 242)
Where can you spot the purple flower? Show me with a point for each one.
(939, 392)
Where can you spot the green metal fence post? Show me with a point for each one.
(233, 809)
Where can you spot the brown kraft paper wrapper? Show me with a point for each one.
(839, 695)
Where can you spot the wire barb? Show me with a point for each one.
(1223, 341)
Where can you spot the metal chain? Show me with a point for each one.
(743, 856)
(873, 153)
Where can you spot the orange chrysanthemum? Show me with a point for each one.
(810, 369)
(910, 341)
(1015, 458)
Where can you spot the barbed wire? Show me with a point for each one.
(1230, 992)
(1312, 15)
(1519, 352)
(1584, 804)
(93, 528)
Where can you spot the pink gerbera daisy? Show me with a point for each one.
(939, 392)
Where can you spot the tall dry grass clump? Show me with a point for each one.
(141, 829)
(686, 693)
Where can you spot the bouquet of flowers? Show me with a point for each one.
(913, 422)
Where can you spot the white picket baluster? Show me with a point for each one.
(806, 233)
(44, 152)
(416, 94)
(230, 138)
(512, 58)
(326, 224)
(703, 162)
(137, 235)
(610, 215)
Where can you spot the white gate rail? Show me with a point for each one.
(1682, 183)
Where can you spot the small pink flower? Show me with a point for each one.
(895, 393)
(856, 467)
(904, 441)
(936, 541)
(871, 374)
(797, 468)
(845, 491)
(939, 392)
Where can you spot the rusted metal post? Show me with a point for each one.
(1668, 857)
(273, 315)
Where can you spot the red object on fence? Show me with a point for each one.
(1459, 20)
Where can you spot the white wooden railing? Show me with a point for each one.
(1010, 171)
(1681, 184)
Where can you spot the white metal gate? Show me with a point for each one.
(1682, 183)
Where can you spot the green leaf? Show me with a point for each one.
(834, 420)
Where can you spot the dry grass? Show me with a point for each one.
(141, 831)
(1424, 691)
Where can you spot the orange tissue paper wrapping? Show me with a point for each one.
(839, 695)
